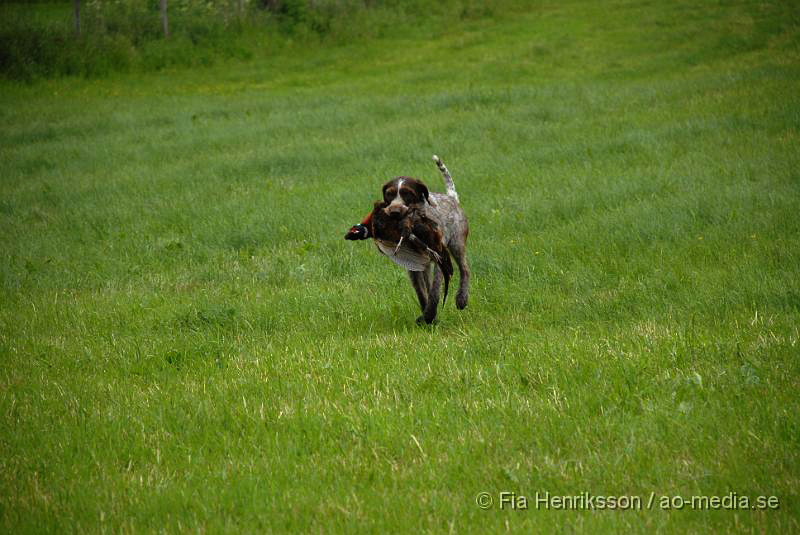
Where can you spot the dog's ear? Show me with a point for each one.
(422, 192)
(425, 195)
(391, 183)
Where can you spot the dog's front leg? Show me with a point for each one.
(419, 280)
(432, 306)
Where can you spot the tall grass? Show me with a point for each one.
(38, 40)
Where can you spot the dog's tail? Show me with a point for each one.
(448, 180)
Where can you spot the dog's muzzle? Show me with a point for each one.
(395, 211)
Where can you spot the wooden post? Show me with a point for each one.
(77, 17)
(164, 21)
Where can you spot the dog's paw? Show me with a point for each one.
(422, 320)
(461, 300)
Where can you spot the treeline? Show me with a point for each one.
(96, 37)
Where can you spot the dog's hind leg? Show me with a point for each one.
(458, 251)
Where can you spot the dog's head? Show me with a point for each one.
(403, 193)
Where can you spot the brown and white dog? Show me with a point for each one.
(442, 212)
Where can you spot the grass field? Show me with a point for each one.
(189, 345)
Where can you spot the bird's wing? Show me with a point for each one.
(405, 256)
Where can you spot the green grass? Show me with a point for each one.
(188, 344)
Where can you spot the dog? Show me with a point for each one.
(422, 236)
(402, 194)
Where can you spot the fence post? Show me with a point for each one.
(77, 17)
(164, 21)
